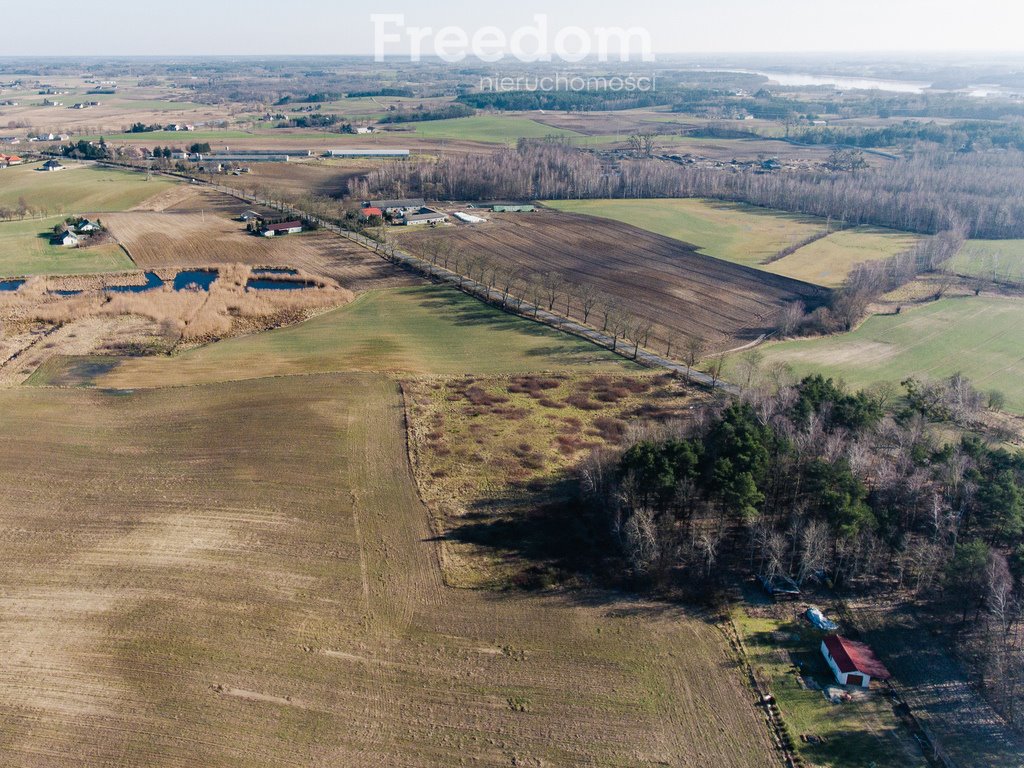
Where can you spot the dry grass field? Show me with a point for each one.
(489, 451)
(243, 574)
(657, 278)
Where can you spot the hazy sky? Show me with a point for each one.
(255, 27)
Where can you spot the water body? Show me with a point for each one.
(800, 80)
(200, 278)
(277, 285)
(11, 285)
(152, 281)
(275, 271)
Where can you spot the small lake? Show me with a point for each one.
(11, 285)
(200, 278)
(839, 82)
(278, 285)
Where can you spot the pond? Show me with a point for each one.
(200, 278)
(275, 271)
(152, 281)
(278, 285)
(11, 285)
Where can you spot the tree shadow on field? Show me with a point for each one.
(469, 311)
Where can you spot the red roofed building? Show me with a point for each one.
(283, 228)
(371, 211)
(852, 663)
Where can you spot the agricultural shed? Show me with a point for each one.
(851, 662)
(283, 228)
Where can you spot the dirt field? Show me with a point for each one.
(242, 574)
(657, 278)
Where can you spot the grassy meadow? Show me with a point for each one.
(78, 190)
(490, 128)
(1000, 260)
(977, 336)
(25, 249)
(739, 233)
(829, 261)
(419, 330)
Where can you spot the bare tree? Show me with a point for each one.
(693, 351)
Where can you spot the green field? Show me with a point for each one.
(412, 330)
(79, 189)
(24, 252)
(490, 128)
(828, 261)
(738, 233)
(1001, 260)
(980, 337)
(857, 734)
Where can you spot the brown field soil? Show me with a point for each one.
(295, 179)
(656, 278)
(243, 574)
(488, 451)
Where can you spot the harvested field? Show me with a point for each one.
(655, 278)
(243, 574)
(293, 180)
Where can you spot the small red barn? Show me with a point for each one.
(852, 663)
(371, 211)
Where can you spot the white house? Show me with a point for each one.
(88, 226)
(52, 165)
(67, 239)
(851, 662)
(424, 216)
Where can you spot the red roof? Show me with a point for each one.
(371, 211)
(851, 656)
(283, 225)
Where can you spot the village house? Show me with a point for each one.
(52, 165)
(6, 160)
(85, 226)
(851, 662)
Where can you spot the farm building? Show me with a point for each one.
(423, 216)
(66, 238)
(240, 157)
(7, 160)
(367, 153)
(52, 165)
(369, 212)
(779, 586)
(396, 206)
(513, 207)
(283, 228)
(851, 662)
(88, 226)
(250, 216)
(469, 218)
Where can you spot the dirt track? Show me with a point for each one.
(657, 278)
(242, 574)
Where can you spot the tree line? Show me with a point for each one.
(980, 194)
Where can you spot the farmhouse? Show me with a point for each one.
(52, 165)
(283, 228)
(86, 226)
(66, 238)
(367, 153)
(423, 216)
(851, 662)
(6, 160)
(370, 212)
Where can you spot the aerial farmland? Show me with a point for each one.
(357, 413)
